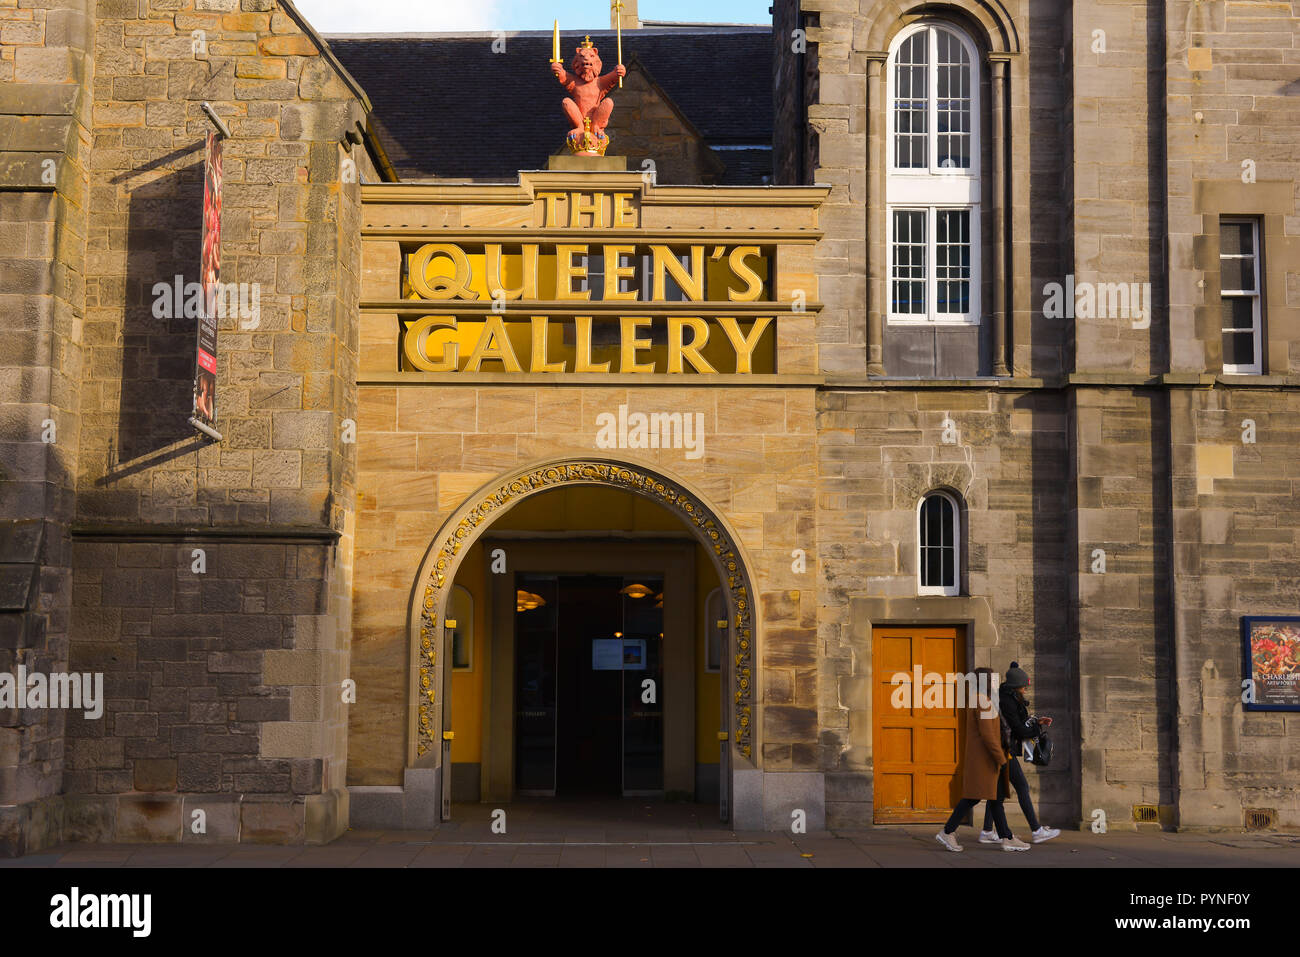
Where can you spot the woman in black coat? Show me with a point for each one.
(1024, 727)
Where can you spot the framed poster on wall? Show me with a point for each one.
(1271, 644)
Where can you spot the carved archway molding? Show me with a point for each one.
(991, 23)
(490, 501)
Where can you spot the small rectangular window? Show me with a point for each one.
(932, 269)
(952, 249)
(1239, 283)
(908, 262)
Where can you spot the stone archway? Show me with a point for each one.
(463, 527)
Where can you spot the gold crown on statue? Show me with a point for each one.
(586, 42)
(588, 143)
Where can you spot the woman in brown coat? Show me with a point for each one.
(984, 771)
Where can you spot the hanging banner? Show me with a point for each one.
(204, 416)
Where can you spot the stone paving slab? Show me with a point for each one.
(635, 835)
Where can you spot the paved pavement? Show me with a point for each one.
(634, 833)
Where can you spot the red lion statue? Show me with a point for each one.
(587, 91)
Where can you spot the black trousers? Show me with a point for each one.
(993, 808)
(1022, 794)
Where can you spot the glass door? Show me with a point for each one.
(589, 684)
(536, 618)
(642, 641)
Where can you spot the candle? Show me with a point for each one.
(555, 44)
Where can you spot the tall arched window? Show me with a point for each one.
(932, 188)
(938, 545)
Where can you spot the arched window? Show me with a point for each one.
(938, 545)
(932, 188)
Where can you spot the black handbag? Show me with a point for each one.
(1042, 750)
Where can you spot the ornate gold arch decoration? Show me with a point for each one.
(633, 479)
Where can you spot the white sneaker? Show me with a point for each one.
(1045, 834)
(948, 840)
(1014, 844)
(990, 837)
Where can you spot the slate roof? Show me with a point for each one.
(446, 105)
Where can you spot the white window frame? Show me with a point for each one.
(934, 188)
(1256, 295)
(955, 587)
(930, 317)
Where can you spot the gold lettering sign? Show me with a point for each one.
(548, 306)
(597, 210)
(548, 344)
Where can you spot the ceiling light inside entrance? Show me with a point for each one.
(527, 601)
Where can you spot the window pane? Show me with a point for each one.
(1236, 239)
(952, 254)
(1238, 348)
(908, 265)
(910, 102)
(953, 108)
(930, 522)
(1238, 312)
(933, 568)
(949, 567)
(1237, 274)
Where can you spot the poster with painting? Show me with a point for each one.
(1272, 653)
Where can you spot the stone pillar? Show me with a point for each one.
(875, 182)
(1001, 281)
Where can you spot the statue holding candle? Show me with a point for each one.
(587, 106)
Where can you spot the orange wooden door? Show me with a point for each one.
(916, 750)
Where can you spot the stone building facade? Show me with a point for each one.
(269, 612)
(208, 583)
(1118, 137)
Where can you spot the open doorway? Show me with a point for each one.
(588, 669)
(588, 648)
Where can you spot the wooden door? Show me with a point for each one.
(917, 751)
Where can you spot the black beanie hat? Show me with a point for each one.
(1016, 678)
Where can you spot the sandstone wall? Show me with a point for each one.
(223, 653)
(46, 60)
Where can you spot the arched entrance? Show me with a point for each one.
(429, 741)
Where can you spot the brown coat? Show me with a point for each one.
(985, 762)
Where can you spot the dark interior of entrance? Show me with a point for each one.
(588, 685)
